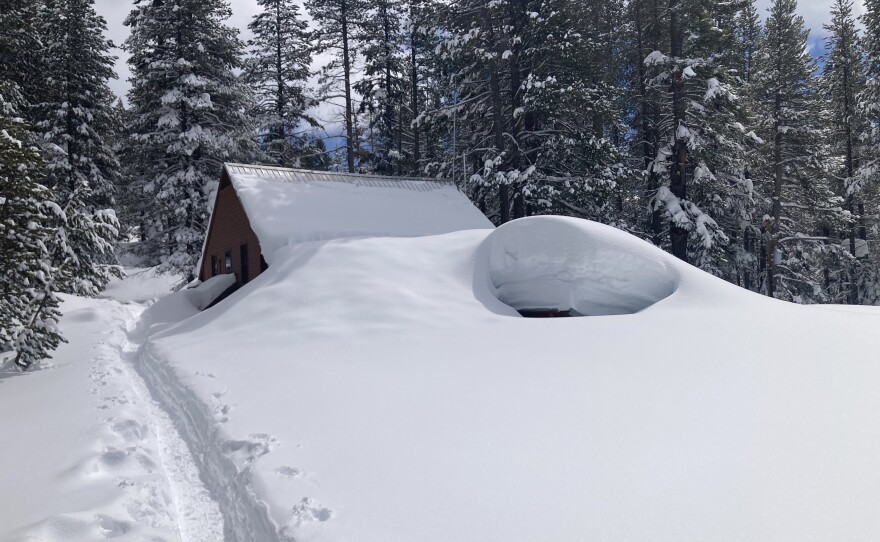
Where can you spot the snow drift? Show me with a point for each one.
(556, 263)
(378, 389)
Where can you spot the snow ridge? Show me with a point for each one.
(246, 518)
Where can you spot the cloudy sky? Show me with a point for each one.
(815, 13)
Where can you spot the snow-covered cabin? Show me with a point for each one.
(259, 209)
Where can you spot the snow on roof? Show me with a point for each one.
(288, 206)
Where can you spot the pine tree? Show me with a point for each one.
(748, 36)
(803, 209)
(76, 121)
(531, 108)
(20, 43)
(28, 302)
(338, 27)
(383, 83)
(647, 27)
(865, 187)
(869, 97)
(841, 82)
(277, 70)
(690, 129)
(742, 223)
(188, 117)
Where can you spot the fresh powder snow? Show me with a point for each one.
(87, 454)
(385, 389)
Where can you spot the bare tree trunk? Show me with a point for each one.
(389, 96)
(649, 114)
(498, 124)
(747, 243)
(850, 171)
(414, 90)
(518, 11)
(776, 209)
(498, 130)
(346, 68)
(678, 172)
(279, 82)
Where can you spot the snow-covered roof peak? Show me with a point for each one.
(274, 173)
(287, 206)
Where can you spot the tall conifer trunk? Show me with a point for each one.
(678, 171)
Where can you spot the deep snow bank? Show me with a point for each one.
(184, 304)
(376, 390)
(569, 264)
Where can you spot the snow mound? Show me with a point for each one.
(205, 293)
(567, 264)
(295, 206)
(375, 389)
(187, 303)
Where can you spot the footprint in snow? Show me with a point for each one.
(307, 511)
(109, 527)
(113, 457)
(129, 430)
(288, 472)
(245, 452)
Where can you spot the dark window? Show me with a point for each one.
(245, 268)
(228, 259)
(263, 264)
(214, 269)
(546, 313)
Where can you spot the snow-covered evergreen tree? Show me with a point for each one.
(383, 83)
(693, 121)
(188, 117)
(28, 302)
(865, 188)
(802, 208)
(76, 120)
(423, 149)
(748, 38)
(841, 82)
(533, 116)
(647, 27)
(20, 47)
(869, 98)
(277, 70)
(339, 24)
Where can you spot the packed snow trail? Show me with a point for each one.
(86, 453)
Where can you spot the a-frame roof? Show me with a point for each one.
(286, 206)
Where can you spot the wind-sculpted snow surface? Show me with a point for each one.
(567, 264)
(377, 389)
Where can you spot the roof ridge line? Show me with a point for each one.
(338, 173)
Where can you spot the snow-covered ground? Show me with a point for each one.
(385, 389)
(380, 389)
(86, 454)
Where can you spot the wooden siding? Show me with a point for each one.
(229, 229)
